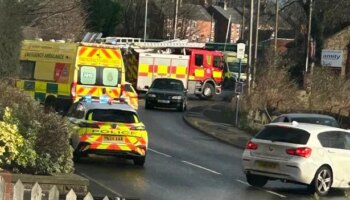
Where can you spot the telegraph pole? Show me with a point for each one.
(308, 39)
(243, 21)
(276, 32)
(256, 44)
(175, 23)
(250, 43)
(145, 31)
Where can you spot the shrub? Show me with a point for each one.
(10, 140)
(46, 147)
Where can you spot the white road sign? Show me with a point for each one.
(240, 50)
(332, 58)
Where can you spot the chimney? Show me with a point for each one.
(225, 4)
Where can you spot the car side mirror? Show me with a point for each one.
(147, 87)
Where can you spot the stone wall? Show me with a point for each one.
(340, 41)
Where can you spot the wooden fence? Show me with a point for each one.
(36, 193)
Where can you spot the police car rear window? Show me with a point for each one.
(112, 115)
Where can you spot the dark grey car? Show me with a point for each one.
(308, 118)
(167, 93)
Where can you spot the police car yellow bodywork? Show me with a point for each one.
(110, 137)
(125, 137)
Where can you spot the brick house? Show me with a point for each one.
(340, 41)
(221, 16)
(194, 22)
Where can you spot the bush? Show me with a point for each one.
(45, 148)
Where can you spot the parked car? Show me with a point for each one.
(167, 92)
(314, 155)
(308, 118)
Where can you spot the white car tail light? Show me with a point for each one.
(301, 151)
(251, 146)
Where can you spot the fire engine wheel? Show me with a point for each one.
(208, 91)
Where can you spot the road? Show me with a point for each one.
(182, 163)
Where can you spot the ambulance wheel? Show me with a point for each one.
(50, 103)
(208, 91)
(139, 161)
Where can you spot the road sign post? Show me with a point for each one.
(239, 84)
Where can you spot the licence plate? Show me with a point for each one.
(163, 101)
(270, 165)
(112, 138)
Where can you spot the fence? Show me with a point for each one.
(19, 192)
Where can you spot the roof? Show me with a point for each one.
(310, 128)
(186, 10)
(114, 106)
(307, 115)
(236, 17)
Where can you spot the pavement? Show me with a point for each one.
(217, 121)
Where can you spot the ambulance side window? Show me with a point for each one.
(27, 69)
(198, 59)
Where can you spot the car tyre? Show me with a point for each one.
(256, 180)
(322, 181)
(139, 161)
(208, 91)
(147, 106)
(182, 107)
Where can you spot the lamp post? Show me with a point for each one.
(145, 30)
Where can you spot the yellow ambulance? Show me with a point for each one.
(58, 73)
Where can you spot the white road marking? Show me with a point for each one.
(166, 155)
(101, 184)
(198, 166)
(268, 191)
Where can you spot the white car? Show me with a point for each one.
(310, 154)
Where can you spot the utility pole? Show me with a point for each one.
(227, 32)
(145, 31)
(243, 21)
(276, 32)
(250, 43)
(256, 44)
(175, 23)
(308, 39)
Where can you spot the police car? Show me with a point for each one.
(107, 127)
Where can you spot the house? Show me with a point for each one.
(193, 21)
(222, 16)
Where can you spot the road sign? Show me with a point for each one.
(239, 87)
(240, 50)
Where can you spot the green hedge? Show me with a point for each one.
(45, 144)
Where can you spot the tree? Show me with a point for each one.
(50, 19)
(10, 36)
(103, 16)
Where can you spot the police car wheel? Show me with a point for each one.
(139, 161)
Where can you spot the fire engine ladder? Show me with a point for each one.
(137, 44)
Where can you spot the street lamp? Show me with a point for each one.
(145, 30)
